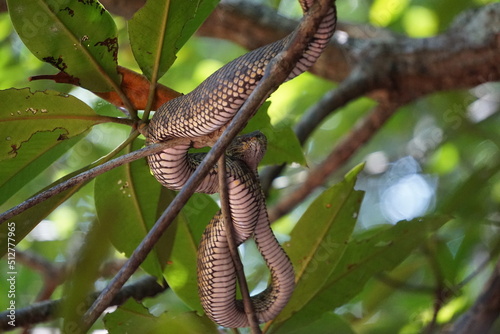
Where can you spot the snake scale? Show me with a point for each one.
(207, 109)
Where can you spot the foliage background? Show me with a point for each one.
(451, 137)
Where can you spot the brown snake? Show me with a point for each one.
(201, 112)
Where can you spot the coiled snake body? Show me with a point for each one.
(203, 111)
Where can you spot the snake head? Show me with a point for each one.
(249, 148)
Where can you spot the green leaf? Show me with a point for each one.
(24, 113)
(316, 251)
(362, 259)
(160, 28)
(184, 236)
(31, 161)
(132, 317)
(282, 143)
(126, 203)
(78, 37)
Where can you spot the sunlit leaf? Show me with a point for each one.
(24, 113)
(319, 240)
(77, 37)
(160, 28)
(132, 317)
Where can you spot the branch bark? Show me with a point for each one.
(47, 310)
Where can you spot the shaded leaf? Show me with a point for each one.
(24, 113)
(77, 37)
(160, 28)
(132, 317)
(319, 240)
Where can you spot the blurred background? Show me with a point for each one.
(438, 154)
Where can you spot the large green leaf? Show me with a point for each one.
(319, 240)
(362, 259)
(160, 28)
(133, 317)
(78, 37)
(126, 201)
(24, 113)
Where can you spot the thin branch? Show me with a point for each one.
(233, 248)
(275, 74)
(47, 310)
(349, 145)
(85, 176)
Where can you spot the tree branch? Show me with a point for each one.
(45, 311)
(467, 54)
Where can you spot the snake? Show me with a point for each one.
(204, 111)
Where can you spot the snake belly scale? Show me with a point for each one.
(206, 109)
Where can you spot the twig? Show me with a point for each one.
(275, 74)
(344, 150)
(85, 176)
(233, 248)
(47, 310)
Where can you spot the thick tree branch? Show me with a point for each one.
(47, 310)
(467, 54)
